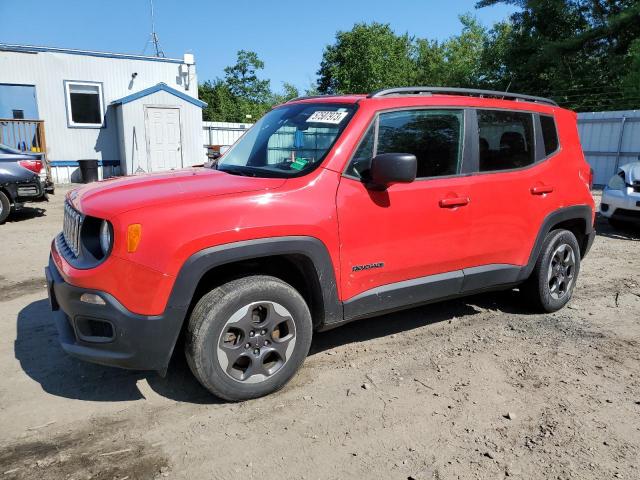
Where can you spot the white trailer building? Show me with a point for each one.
(132, 113)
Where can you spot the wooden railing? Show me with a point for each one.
(25, 135)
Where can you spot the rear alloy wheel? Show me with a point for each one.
(248, 337)
(560, 272)
(554, 276)
(5, 207)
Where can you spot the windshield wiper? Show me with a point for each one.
(247, 171)
(239, 171)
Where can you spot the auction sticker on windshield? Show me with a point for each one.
(331, 117)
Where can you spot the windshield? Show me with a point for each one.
(289, 141)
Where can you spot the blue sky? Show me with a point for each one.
(289, 36)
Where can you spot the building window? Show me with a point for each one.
(18, 114)
(85, 104)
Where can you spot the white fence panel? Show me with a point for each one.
(609, 140)
(222, 133)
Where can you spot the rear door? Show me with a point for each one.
(513, 190)
(412, 230)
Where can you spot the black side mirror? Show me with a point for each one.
(389, 168)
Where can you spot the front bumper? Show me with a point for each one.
(31, 191)
(110, 334)
(621, 205)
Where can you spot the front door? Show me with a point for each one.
(164, 142)
(408, 231)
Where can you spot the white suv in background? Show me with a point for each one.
(621, 197)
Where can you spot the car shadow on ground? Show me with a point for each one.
(626, 232)
(407, 320)
(37, 349)
(26, 213)
(42, 359)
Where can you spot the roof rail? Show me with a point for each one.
(459, 91)
(309, 97)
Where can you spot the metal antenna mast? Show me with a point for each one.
(154, 40)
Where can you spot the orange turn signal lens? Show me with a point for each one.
(134, 234)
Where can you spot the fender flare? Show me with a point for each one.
(198, 264)
(576, 212)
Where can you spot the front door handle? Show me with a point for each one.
(454, 202)
(541, 189)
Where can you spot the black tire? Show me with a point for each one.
(544, 293)
(219, 316)
(5, 207)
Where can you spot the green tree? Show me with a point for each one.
(366, 58)
(222, 105)
(242, 78)
(241, 96)
(576, 51)
(631, 79)
(430, 63)
(289, 92)
(493, 68)
(472, 59)
(463, 54)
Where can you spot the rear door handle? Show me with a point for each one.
(541, 189)
(454, 202)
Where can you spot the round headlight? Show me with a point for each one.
(105, 237)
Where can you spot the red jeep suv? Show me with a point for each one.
(330, 209)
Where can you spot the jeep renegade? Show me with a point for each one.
(329, 209)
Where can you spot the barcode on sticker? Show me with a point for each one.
(327, 117)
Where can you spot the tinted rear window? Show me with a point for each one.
(549, 134)
(506, 140)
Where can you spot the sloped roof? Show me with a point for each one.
(8, 47)
(157, 88)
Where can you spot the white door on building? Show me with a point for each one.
(164, 142)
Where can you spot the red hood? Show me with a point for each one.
(112, 197)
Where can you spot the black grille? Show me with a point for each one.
(94, 330)
(71, 228)
(636, 187)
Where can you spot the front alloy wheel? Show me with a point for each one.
(248, 337)
(256, 342)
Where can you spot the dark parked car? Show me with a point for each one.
(19, 181)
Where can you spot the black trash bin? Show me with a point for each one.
(89, 170)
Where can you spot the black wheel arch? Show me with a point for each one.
(578, 219)
(302, 261)
(10, 191)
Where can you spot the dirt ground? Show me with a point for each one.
(476, 388)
